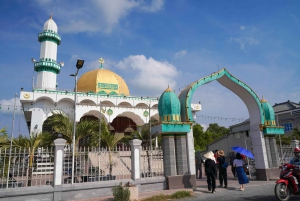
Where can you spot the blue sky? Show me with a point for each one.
(155, 43)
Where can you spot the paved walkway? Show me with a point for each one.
(201, 188)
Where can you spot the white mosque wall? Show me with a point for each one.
(48, 50)
(42, 104)
(46, 80)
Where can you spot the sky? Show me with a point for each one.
(156, 43)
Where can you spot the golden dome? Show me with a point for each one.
(102, 81)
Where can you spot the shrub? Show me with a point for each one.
(121, 193)
(180, 194)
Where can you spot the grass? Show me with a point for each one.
(174, 196)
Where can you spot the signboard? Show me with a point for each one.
(108, 86)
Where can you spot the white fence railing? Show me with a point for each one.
(91, 165)
(152, 162)
(26, 168)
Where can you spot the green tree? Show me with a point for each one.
(3, 137)
(110, 142)
(296, 133)
(31, 143)
(217, 131)
(62, 123)
(201, 138)
(285, 140)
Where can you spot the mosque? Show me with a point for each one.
(100, 93)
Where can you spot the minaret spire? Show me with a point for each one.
(101, 61)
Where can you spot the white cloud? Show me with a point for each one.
(204, 126)
(95, 15)
(242, 41)
(180, 53)
(242, 27)
(7, 106)
(155, 5)
(148, 74)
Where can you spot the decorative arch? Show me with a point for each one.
(238, 87)
(88, 102)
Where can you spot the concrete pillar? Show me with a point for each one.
(58, 167)
(295, 143)
(274, 152)
(181, 154)
(268, 150)
(190, 152)
(168, 145)
(135, 158)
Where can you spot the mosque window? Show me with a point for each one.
(169, 117)
(287, 126)
(165, 117)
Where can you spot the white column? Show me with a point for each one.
(191, 152)
(135, 158)
(58, 161)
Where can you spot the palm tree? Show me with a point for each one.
(3, 137)
(62, 123)
(31, 143)
(111, 142)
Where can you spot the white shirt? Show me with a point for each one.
(238, 162)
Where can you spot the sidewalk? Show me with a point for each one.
(201, 188)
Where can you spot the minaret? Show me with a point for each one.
(47, 68)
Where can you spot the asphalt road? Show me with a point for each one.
(254, 191)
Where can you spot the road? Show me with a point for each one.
(254, 191)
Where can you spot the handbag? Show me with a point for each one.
(225, 164)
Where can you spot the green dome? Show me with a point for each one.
(169, 107)
(269, 113)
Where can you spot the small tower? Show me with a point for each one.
(169, 107)
(47, 68)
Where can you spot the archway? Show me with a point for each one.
(259, 127)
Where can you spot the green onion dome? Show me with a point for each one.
(169, 107)
(268, 112)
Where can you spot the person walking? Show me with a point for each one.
(242, 177)
(198, 161)
(222, 171)
(231, 159)
(210, 171)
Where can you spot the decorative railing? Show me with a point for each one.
(25, 168)
(152, 162)
(92, 165)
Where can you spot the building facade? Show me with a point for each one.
(100, 93)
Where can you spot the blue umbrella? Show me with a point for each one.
(243, 151)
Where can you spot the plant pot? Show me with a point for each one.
(134, 193)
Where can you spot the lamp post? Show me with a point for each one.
(100, 127)
(11, 139)
(79, 65)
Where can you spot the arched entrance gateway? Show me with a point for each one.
(263, 128)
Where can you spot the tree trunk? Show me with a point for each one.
(30, 169)
(149, 164)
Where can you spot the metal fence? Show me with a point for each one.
(26, 168)
(151, 162)
(93, 165)
(286, 153)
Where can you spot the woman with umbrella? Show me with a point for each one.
(242, 177)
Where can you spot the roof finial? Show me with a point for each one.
(263, 100)
(101, 61)
(51, 15)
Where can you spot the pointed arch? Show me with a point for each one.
(238, 87)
